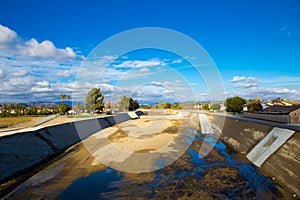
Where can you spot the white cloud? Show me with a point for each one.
(64, 73)
(2, 74)
(108, 57)
(266, 93)
(144, 70)
(252, 80)
(11, 45)
(21, 72)
(245, 85)
(140, 63)
(42, 86)
(167, 92)
(176, 61)
(274, 92)
(156, 83)
(41, 89)
(237, 79)
(244, 82)
(7, 35)
(178, 81)
(190, 57)
(43, 83)
(168, 83)
(46, 49)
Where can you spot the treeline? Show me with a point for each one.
(179, 106)
(94, 103)
(8, 110)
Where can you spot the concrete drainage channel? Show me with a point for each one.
(23, 151)
(280, 164)
(273, 150)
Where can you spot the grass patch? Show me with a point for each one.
(10, 121)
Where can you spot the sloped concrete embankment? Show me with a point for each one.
(23, 151)
(283, 165)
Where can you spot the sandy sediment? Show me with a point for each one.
(81, 159)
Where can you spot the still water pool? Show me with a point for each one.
(219, 175)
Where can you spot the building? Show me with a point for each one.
(283, 114)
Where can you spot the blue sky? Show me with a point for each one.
(254, 44)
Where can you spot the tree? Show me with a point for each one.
(69, 97)
(175, 106)
(254, 107)
(109, 104)
(206, 106)
(128, 103)
(235, 104)
(124, 103)
(94, 100)
(133, 104)
(164, 105)
(63, 108)
(32, 110)
(78, 108)
(4, 110)
(215, 106)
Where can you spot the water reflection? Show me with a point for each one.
(217, 175)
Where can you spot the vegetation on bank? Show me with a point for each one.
(93, 104)
(235, 104)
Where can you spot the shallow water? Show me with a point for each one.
(90, 187)
(218, 175)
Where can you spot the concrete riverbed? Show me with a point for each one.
(171, 143)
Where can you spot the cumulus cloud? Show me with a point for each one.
(237, 79)
(12, 45)
(46, 49)
(244, 82)
(7, 35)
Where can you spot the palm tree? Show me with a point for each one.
(69, 97)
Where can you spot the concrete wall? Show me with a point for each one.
(23, 151)
(274, 118)
(284, 165)
(295, 117)
(43, 120)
